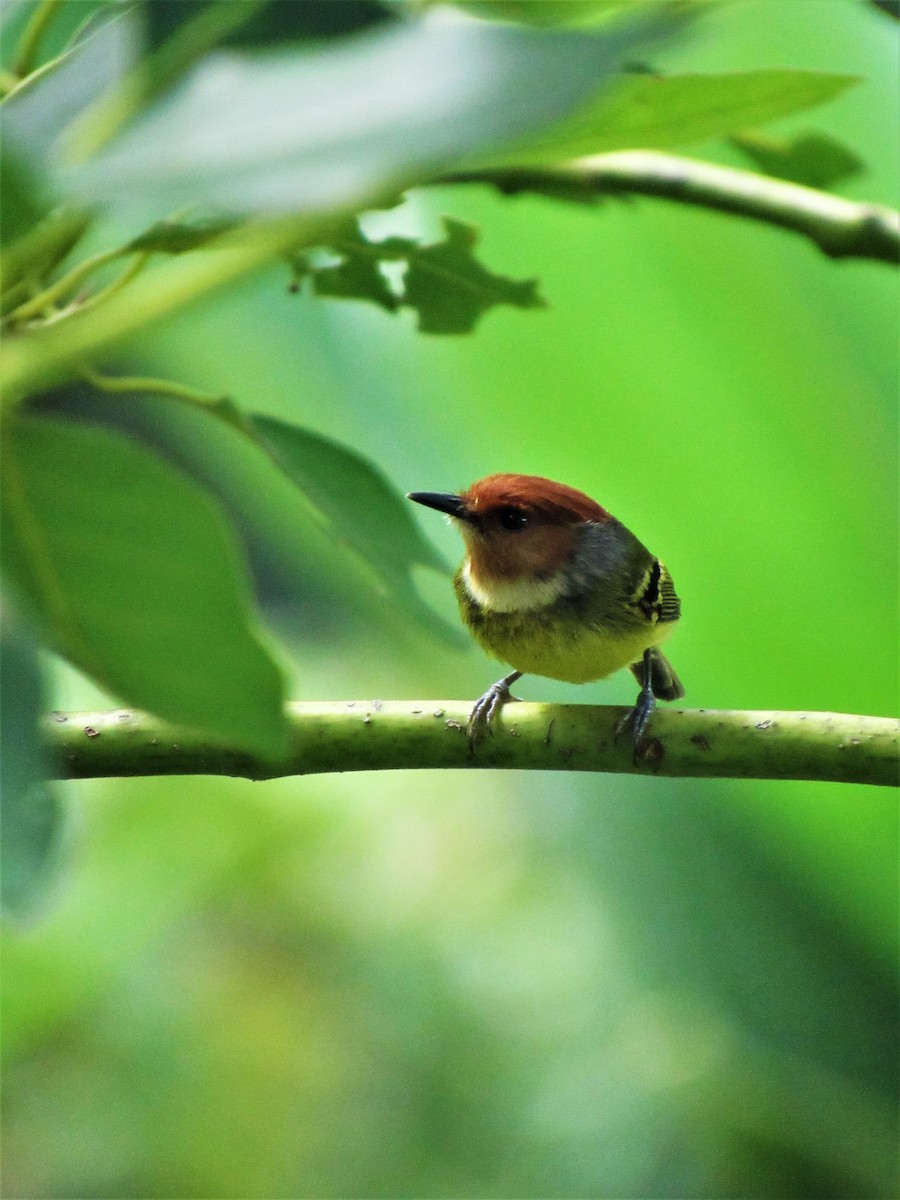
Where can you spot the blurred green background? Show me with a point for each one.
(502, 984)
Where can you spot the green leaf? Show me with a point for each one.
(444, 282)
(21, 196)
(356, 503)
(650, 111)
(357, 277)
(34, 238)
(11, 11)
(20, 690)
(450, 289)
(547, 13)
(42, 248)
(31, 818)
(136, 577)
(32, 827)
(260, 23)
(307, 131)
(196, 29)
(177, 237)
(813, 159)
(352, 498)
(38, 112)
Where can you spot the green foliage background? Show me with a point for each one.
(508, 984)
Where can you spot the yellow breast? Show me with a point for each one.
(561, 650)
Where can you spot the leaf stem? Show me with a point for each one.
(841, 228)
(157, 387)
(371, 735)
(39, 304)
(122, 280)
(44, 357)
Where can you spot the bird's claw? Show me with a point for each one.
(486, 707)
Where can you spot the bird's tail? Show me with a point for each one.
(665, 683)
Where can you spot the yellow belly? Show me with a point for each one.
(571, 654)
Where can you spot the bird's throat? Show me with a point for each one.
(513, 595)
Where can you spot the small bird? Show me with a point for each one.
(554, 585)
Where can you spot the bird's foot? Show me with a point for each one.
(636, 718)
(484, 709)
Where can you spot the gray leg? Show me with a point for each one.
(486, 708)
(638, 716)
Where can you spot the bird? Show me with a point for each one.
(553, 585)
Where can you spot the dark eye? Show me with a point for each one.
(512, 518)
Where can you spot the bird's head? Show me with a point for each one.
(517, 528)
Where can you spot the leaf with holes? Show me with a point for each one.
(444, 282)
(451, 290)
(357, 276)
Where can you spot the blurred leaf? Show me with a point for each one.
(32, 822)
(643, 110)
(34, 237)
(38, 112)
(337, 127)
(134, 574)
(443, 282)
(42, 248)
(199, 29)
(20, 690)
(352, 498)
(195, 25)
(358, 506)
(30, 813)
(69, 22)
(175, 237)
(44, 356)
(21, 200)
(270, 22)
(179, 33)
(296, 550)
(547, 13)
(813, 159)
(10, 11)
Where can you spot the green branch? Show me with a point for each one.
(373, 736)
(840, 228)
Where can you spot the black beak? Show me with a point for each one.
(453, 506)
